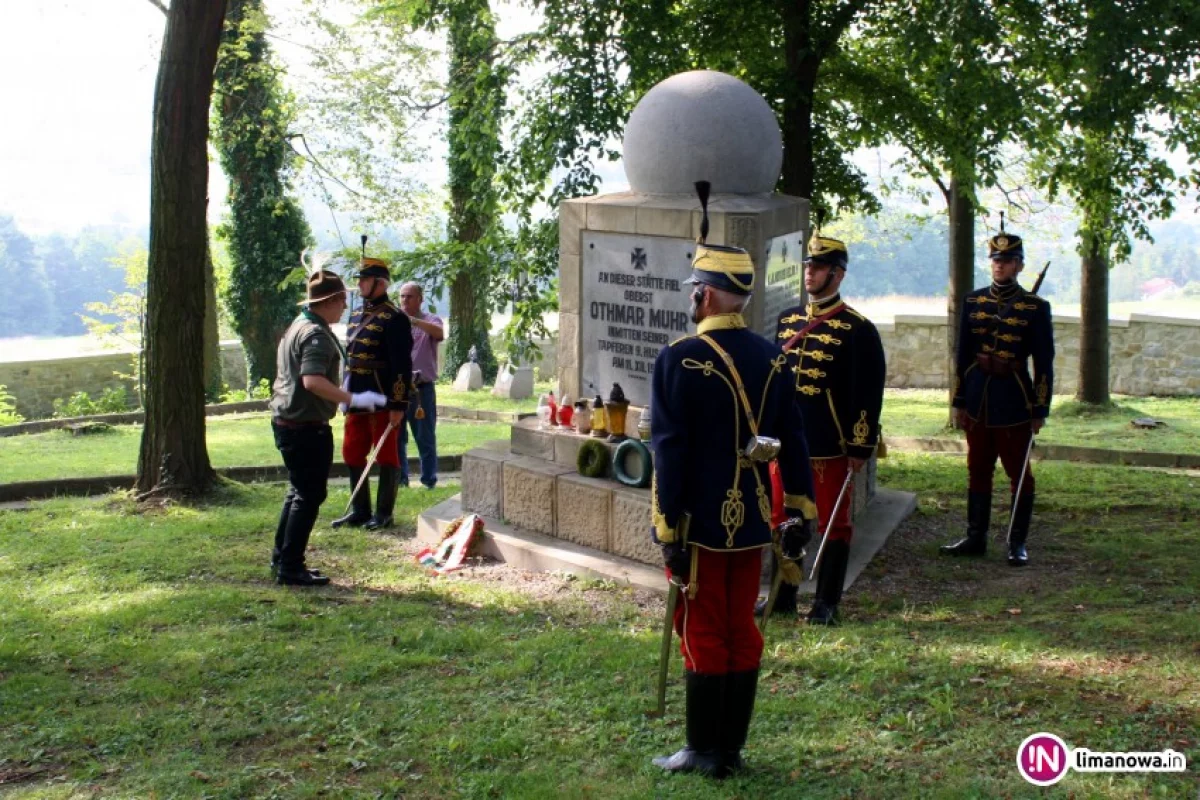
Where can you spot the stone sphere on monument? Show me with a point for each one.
(702, 125)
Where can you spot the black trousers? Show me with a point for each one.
(308, 455)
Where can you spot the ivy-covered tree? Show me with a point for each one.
(266, 230)
(1122, 94)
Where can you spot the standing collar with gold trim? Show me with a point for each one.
(720, 322)
(1004, 291)
(380, 302)
(816, 308)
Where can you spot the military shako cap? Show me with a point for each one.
(824, 250)
(374, 268)
(727, 268)
(1005, 245)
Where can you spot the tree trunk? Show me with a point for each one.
(962, 269)
(476, 96)
(802, 64)
(173, 457)
(212, 333)
(1093, 330)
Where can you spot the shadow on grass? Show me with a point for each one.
(149, 654)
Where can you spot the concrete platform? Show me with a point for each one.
(535, 551)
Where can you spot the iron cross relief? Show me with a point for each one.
(638, 258)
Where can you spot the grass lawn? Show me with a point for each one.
(242, 440)
(147, 655)
(923, 412)
(482, 400)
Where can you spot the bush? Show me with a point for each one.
(112, 401)
(260, 392)
(8, 408)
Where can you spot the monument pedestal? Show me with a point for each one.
(541, 514)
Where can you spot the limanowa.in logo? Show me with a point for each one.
(1044, 758)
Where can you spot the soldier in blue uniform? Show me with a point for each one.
(379, 359)
(722, 407)
(836, 364)
(996, 400)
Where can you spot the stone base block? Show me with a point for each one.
(529, 493)
(629, 533)
(483, 481)
(584, 509)
(528, 440)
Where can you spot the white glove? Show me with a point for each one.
(368, 400)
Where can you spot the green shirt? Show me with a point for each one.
(308, 347)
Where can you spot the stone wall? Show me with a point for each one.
(1149, 355)
(37, 384)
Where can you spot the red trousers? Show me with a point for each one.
(362, 432)
(828, 476)
(716, 627)
(984, 444)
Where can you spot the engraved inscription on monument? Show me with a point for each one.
(784, 286)
(633, 303)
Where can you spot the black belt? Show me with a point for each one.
(287, 423)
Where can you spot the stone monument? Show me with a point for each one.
(623, 258)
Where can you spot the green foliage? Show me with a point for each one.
(260, 391)
(26, 289)
(266, 231)
(1123, 93)
(112, 400)
(8, 408)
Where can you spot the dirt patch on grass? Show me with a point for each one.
(602, 600)
(910, 567)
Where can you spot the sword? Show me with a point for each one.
(664, 657)
(836, 508)
(370, 463)
(773, 594)
(1020, 482)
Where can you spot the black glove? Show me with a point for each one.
(796, 533)
(678, 559)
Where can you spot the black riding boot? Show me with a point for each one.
(360, 509)
(785, 600)
(1017, 557)
(705, 712)
(830, 579)
(385, 501)
(740, 688)
(979, 514)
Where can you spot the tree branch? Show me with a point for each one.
(159, 5)
(838, 24)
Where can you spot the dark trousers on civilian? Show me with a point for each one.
(425, 433)
(308, 454)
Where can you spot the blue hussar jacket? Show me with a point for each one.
(1002, 328)
(379, 353)
(838, 370)
(700, 428)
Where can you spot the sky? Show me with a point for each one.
(78, 90)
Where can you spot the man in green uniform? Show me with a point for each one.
(305, 397)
